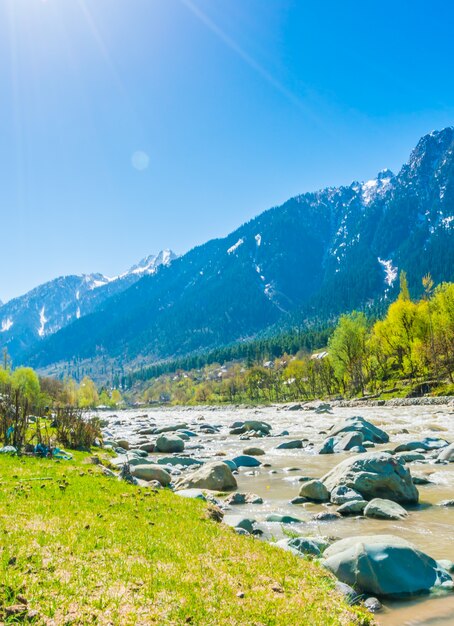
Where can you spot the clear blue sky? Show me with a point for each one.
(238, 105)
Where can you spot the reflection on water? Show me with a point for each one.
(430, 528)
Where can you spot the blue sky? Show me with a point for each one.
(236, 106)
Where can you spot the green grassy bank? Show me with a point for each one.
(81, 548)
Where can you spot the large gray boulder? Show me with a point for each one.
(374, 475)
(169, 443)
(151, 472)
(383, 565)
(369, 431)
(215, 476)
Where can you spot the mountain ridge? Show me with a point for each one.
(47, 308)
(318, 254)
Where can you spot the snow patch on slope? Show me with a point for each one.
(42, 322)
(235, 246)
(390, 271)
(6, 325)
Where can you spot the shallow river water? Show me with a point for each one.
(430, 528)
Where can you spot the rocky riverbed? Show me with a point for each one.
(280, 465)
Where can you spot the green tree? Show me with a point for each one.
(26, 381)
(347, 349)
(87, 394)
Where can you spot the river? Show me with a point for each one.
(429, 527)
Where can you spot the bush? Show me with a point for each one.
(75, 430)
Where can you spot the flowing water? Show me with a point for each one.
(430, 528)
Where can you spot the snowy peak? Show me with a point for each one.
(377, 186)
(150, 264)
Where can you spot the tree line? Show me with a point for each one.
(409, 351)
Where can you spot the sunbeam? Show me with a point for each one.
(255, 65)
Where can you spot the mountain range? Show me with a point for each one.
(28, 319)
(317, 255)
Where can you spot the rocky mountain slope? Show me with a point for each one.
(318, 254)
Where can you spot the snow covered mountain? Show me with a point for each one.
(317, 255)
(48, 308)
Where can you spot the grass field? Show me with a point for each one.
(78, 547)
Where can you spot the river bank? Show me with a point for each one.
(81, 548)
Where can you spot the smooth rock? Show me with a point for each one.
(151, 472)
(348, 441)
(216, 476)
(304, 545)
(326, 517)
(243, 498)
(314, 490)
(246, 461)
(383, 565)
(253, 451)
(169, 443)
(384, 509)
(354, 507)
(294, 444)
(374, 475)
(373, 604)
(369, 431)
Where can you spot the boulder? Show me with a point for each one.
(314, 490)
(246, 461)
(326, 516)
(169, 443)
(383, 565)
(254, 451)
(123, 443)
(151, 472)
(147, 447)
(327, 446)
(429, 443)
(294, 444)
(374, 475)
(384, 509)
(354, 507)
(369, 431)
(243, 498)
(304, 545)
(348, 441)
(215, 476)
(250, 425)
